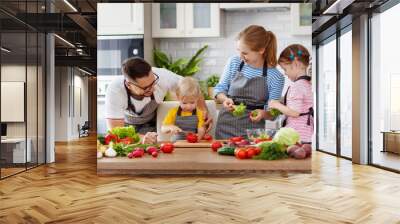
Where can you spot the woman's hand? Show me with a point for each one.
(261, 114)
(228, 104)
(149, 138)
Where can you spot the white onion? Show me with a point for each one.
(110, 152)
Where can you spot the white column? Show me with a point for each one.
(360, 90)
(50, 99)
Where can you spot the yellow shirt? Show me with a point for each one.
(171, 116)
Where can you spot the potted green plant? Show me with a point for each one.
(212, 81)
(180, 66)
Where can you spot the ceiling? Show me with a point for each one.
(76, 23)
(332, 15)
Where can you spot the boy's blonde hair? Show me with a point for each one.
(188, 87)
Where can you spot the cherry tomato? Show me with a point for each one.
(236, 139)
(216, 145)
(191, 138)
(257, 150)
(250, 153)
(208, 137)
(167, 147)
(241, 154)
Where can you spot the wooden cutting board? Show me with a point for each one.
(185, 144)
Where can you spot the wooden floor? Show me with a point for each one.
(69, 191)
(387, 159)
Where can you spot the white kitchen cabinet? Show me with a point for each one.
(168, 20)
(119, 18)
(186, 20)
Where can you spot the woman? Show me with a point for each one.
(250, 78)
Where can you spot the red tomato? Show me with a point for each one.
(126, 140)
(191, 138)
(208, 137)
(237, 150)
(110, 138)
(167, 147)
(241, 154)
(257, 150)
(258, 140)
(251, 152)
(236, 139)
(216, 145)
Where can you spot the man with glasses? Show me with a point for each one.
(133, 99)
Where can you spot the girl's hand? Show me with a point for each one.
(208, 121)
(274, 104)
(228, 104)
(200, 133)
(260, 115)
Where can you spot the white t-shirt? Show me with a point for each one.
(116, 96)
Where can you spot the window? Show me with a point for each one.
(326, 135)
(385, 89)
(346, 94)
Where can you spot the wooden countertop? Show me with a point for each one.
(196, 161)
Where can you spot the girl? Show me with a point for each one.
(249, 78)
(298, 101)
(187, 117)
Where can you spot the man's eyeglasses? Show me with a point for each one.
(146, 88)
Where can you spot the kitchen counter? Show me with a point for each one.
(196, 161)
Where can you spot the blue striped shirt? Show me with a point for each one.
(275, 79)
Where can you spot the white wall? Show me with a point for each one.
(221, 48)
(67, 112)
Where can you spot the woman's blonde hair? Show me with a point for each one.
(257, 38)
(188, 87)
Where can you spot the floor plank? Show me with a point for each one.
(70, 191)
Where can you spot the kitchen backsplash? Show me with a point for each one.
(221, 48)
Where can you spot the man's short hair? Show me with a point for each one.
(135, 67)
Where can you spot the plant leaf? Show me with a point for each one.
(194, 61)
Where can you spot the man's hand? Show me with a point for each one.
(149, 138)
(208, 122)
(170, 129)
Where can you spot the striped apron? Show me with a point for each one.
(146, 120)
(252, 93)
(186, 123)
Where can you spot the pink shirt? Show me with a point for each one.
(300, 99)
